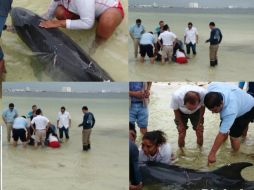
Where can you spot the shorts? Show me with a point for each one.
(146, 49)
(138, 113)
(241, 123)
(19, 133)
(194, 118)
(68, 14)
(120, 8)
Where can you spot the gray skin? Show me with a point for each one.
(226, 177)
(63, 59)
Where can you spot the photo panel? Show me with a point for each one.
(64, 40)
(204, 40)
(65, 135)
(178, 140)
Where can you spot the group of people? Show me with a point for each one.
(39, 130)
(74, 15)
(146, 43)
(189, 102)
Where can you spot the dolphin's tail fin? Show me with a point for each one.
(232, 171)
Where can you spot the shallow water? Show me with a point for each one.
(22, 64)
(104, 167)
(235, 52)
(162, 117)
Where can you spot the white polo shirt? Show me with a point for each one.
(191, 35)
(177, 101)
(167, 38)
(40, 121)
(63, 119)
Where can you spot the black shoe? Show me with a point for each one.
(212, 63)
(85, 148)
(89, 146)
(216, 62)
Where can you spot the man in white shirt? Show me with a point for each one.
(168, 42)
(42, 124)
(188, 103)
(19, 129)
(191, 38)
(63, 123)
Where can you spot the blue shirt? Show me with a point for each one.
(20, 123)
(147, 38)
(137, 31)
(135, 175)
(5, 7)
(136, 86)
(9, 115)
(236, 103)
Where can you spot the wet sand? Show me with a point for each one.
(162, 117)
(103, 167)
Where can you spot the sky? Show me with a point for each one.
(76, 86)
(203, 3)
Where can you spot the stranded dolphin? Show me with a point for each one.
(60, 52)
(227, 177)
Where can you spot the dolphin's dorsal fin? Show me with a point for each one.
(232, 171)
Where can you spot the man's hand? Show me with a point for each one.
(211, 158)
(52, 23)
(139, 94)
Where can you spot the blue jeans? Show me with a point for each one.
(192, 46)
(64, 130)
(138, 113)
(2, 23)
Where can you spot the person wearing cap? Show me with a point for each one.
(79, 14)
(215, 39)
(136, 32)
(8, 116)
(191, 38)
(20, 127)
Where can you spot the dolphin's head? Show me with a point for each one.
(21, 16)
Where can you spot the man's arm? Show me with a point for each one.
(201, 115)
(219, 140)
(178, 118)
(138, 94)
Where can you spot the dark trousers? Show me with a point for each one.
(192, 46)
(65, 131)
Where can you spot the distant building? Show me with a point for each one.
(66, 89)
(193, 5)
(155, 5)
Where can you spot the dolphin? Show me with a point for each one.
(227, 177)
(61, 55)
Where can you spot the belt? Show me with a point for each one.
(137, 102)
